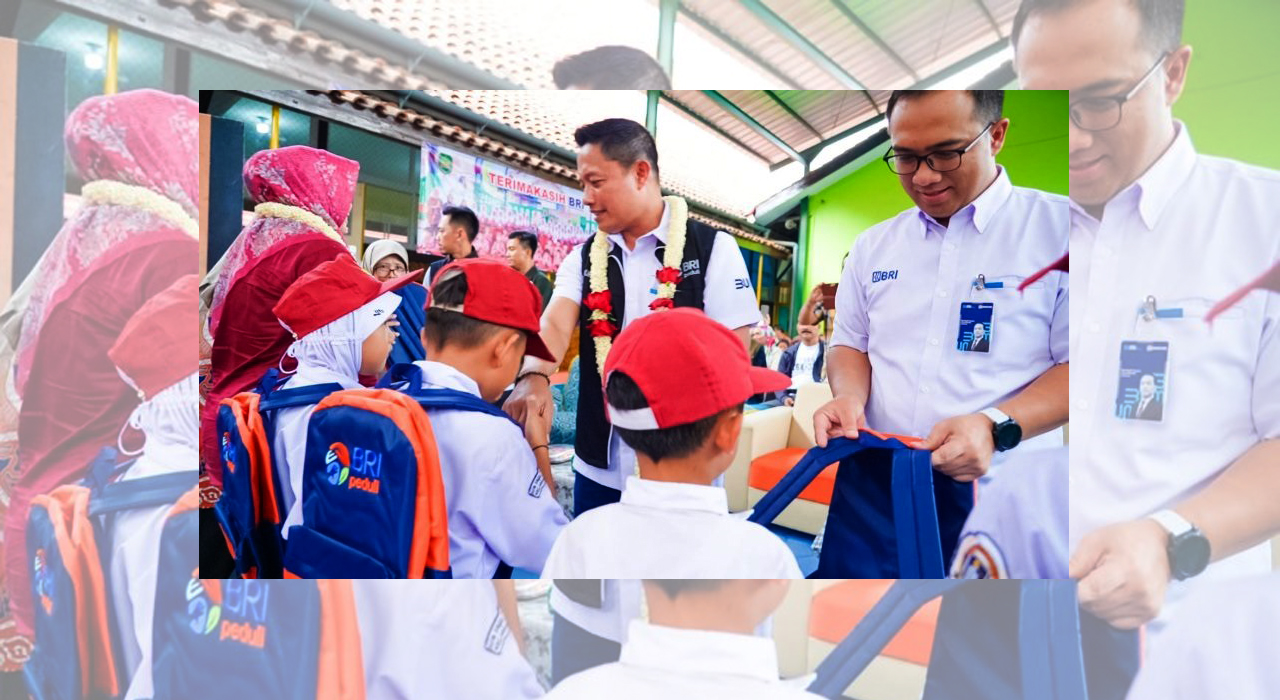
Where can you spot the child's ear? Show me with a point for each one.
(506, 344)
(728, 428)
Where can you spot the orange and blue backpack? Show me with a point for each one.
(77, 652)
(251, 508)
(372, 496)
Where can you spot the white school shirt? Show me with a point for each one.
(439, 639)
(802, 371)
(683, 664)
(1188, 232)
(1018, 528)
(135, 554)
(1221, 646)
(289, 446)
(899, 302)
(668, 530)
(729, 298)
(500, 508)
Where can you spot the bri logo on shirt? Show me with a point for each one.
(883, 275)
(238, 613)
(339, 463)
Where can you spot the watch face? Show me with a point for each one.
(1008, 435)
(1191, 554)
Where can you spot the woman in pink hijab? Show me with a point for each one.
(304, 196)
(134, 234)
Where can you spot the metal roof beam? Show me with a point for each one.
(741, 115)
(870, 33)
(990, 17)
(780, 27)
(794, 114)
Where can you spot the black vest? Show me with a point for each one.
(591, 442)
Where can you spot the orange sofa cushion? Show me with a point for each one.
(769, 468)
(836, 610)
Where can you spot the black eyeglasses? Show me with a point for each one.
(1103, 113)
(938, 161)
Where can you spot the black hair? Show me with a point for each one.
(620, 140)
(464, 217)
(1161, 19)
(988, 105)
(610, 68)
(445, 327)
(674, 587)
(526, 239)
(661, 443)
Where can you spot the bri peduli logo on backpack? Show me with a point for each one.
(238, 613)
(357, 467)
(44, 581)
(228, 453)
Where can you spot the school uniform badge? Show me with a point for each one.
(979, 558)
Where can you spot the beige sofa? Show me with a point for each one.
(775, 429)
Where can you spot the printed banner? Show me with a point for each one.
(505, 199)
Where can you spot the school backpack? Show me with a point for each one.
(247, 638)
(372, 496)
(251, 508)
(894, 536)
(77, 651)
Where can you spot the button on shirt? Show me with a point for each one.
(499, 506)
(1188, 232)
(728, 298)
(439, 639)
(899, 302)
(668, 530)
(684, 664)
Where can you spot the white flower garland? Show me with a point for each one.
(275, 210)
(671, 257)
(116, 192)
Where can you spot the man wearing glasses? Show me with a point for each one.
(914, 293)
(1158, 233)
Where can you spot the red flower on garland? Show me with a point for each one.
(600, 301)
(668, 275)
(602, 327)
(661, 303)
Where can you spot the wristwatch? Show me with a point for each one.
(1005, 431)
(1188, 547)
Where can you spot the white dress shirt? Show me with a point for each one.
(899, 301)
(683, 664)
(1018, 528)
(728, 298)
(668, 530)
(1222, 646)
(439, 639)
(1188, 232)
(500, 509)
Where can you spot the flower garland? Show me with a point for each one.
(116, 192)
(275, 210)
(600, 300)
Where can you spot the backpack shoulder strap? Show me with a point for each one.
(130, 494)
(457, 400)
(302, 396)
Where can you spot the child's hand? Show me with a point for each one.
(537, 429)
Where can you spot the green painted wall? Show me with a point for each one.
(1231, 103)
(1035, 154)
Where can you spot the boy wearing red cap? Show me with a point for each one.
(343, 324)
(156, 355)
(482, 319)
(675, 384)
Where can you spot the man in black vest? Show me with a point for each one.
(459, 227)
(618, 168)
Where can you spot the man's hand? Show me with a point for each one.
(1123, 571)
(531, 397)
(841, 417)
(961, 446)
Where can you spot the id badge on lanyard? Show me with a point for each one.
(1142, 385)
(977, 328)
